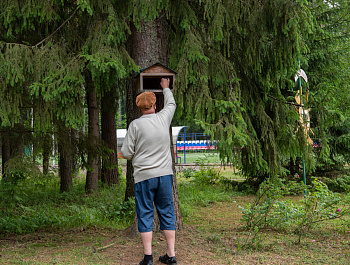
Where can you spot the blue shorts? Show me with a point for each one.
(158, 190)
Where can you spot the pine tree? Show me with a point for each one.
(236, 61)
(326, 63)
(236, 66)
(48, 48)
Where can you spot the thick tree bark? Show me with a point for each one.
(93, 135)
(65, 166)
(148, 47)
(109, 174)
(132, 113)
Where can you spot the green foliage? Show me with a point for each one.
(19, 171)
(45, 50)
(201, 187)
(236, 78)
(32, 220)
(233, 58)
(327, 66)
(204, 175)
(271, 210)
(339, 184)
(188, 172)
(193, 195)
(255, 215)
(50, 52)
(236, 64)
(42, 207)
(320, 205)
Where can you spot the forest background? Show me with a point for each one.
(66, 65)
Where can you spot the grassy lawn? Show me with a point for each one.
(198, 157)
(192, 158)
(212, 234)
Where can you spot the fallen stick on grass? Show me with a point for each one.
(102, 248)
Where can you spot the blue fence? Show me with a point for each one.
(193, 142)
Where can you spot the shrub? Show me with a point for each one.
(188, 172)
(271, 210)
(18, 172)
(340, 184)
(205, 175)
(255, 215)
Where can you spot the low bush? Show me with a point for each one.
(271, 209)
(339, 184)
(205, 174)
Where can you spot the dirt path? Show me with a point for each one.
(78, 247)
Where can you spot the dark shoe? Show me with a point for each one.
(167, 260)
(146, 262)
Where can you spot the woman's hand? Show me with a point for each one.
(165, 83)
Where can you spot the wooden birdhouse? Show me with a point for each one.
(149, 78)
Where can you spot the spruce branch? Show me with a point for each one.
(171, 25)
(17, 131)
(36, 45)
(14, 43)
(285, 102)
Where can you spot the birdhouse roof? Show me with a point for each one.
(156, 68)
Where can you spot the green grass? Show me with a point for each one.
(36, 204)
(33, 206)
(192, 196)
(62, 228)
(191, 157)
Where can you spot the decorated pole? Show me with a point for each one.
(302, 74)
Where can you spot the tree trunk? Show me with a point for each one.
(65, 166)
(178, 220)
(109, 173)
(47, 149)
(74, 142)
(132, 113)
(6, 151)
(13, 144)
(1, 153)
(148, 47)
(93, 135)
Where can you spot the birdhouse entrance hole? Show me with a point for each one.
(151, 83)
(149, 78)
